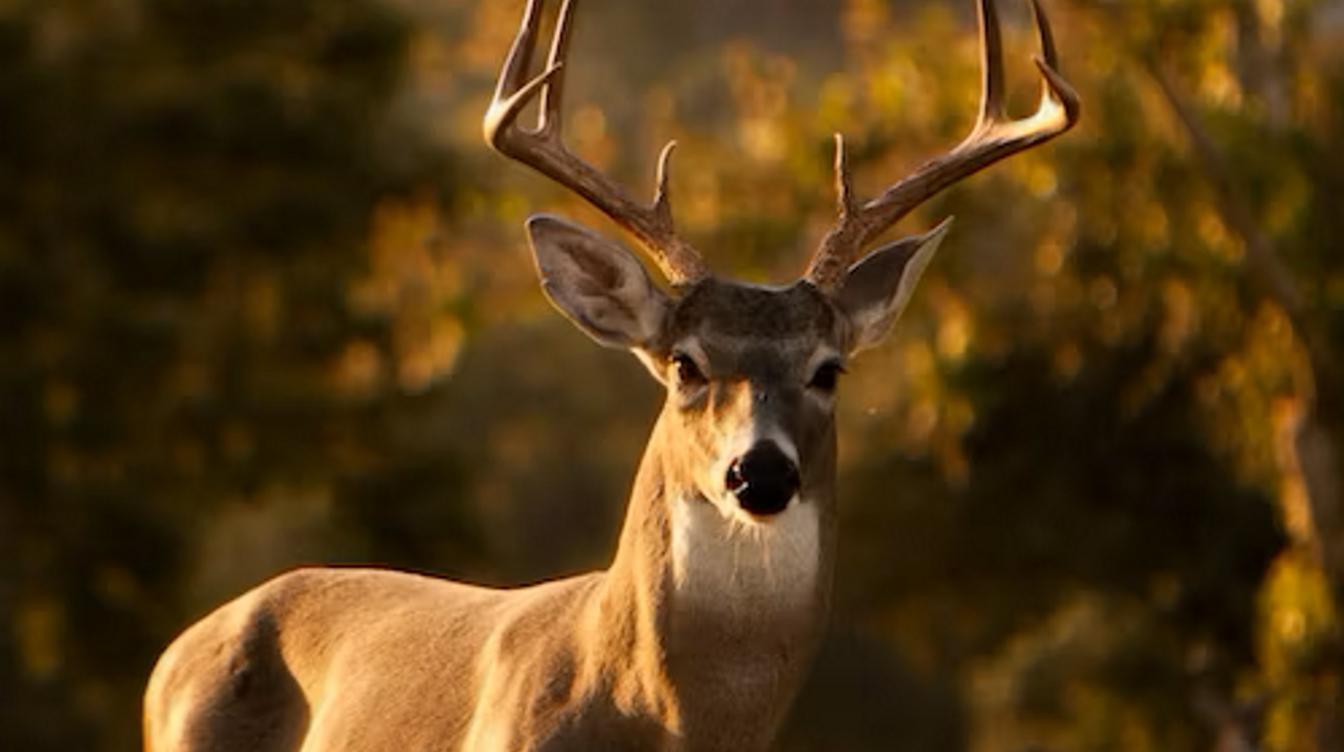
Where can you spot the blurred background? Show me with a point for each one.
(265, 300)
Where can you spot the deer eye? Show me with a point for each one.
(826, 376)
(688, 373)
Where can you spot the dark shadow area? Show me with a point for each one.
(862, 696)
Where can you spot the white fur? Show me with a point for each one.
(729, 561)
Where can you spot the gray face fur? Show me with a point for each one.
(742, 363)
(746, 364)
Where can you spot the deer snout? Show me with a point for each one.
(763, 480)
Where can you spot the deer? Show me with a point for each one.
(700, 633)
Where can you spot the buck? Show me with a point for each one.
(700, 633)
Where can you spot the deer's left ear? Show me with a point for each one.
(877, 289)
(597, 283)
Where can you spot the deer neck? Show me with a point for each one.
(715, 618)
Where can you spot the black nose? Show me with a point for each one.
(763, 479)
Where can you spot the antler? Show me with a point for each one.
(543, 150)
(993, 138)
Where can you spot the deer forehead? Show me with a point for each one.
(753, 329)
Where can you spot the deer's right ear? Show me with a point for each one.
(596, 283)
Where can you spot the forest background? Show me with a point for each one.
(265, 301)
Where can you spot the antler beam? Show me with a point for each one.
(543, 149)
(993, 138)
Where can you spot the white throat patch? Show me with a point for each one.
(735, 564)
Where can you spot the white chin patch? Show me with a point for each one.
(733, 561)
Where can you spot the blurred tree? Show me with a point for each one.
(1256, 98)
(191, 365)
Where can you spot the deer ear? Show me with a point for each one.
(596, 283)
(877, 289)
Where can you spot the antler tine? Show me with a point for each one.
(991, 63)
(514, 90)
(543, 149)
(554, 93)
(844, 182)
(662, 199)
(831, 260)
(993, 138)
(1048, 51)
